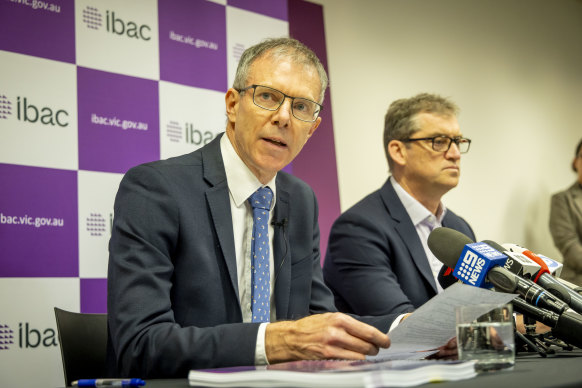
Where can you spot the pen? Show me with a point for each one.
(109, 383)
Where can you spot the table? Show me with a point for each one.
(563, 369)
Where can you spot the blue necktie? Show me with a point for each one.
(261, 277)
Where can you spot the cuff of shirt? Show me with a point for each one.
(260, 352)
(396, 322)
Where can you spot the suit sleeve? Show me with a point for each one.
(564, 233)
(359, 268)
(145, 337)
(322, 299)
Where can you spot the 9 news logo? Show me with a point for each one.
(475, 261)
(471, 268)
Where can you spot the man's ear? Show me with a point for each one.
(231, 99)
(397, 151)
(314, 127)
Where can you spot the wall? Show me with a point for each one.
(89, 89)
(513, 66)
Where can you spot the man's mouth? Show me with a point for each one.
(276, 142)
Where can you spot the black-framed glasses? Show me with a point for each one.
(443, 143)
(271, 99)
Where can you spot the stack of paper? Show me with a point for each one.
(338, 374)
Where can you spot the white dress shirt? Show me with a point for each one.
(424, 222)
(241, 184)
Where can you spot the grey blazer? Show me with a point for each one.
(566, 230)
(173, 298)
(375, 262)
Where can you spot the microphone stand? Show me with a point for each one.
(530, 340)
(540, 343)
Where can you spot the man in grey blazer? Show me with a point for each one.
(378, 261)
(180, 273)
(566, 223)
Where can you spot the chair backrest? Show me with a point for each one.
(83, 341)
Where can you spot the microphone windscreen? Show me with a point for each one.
(495, 246)
(447, 245)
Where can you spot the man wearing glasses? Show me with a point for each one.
(208, 248)
(378, 261)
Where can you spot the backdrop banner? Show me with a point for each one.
(89, 89)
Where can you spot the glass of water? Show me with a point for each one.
(487, 338)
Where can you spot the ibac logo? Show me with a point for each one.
(5, 107)
(27, 112)
(33, 338)
(196, 136)
(6, 337)
(96, 224)
(114, 24)
(191, 135)
(28, 337)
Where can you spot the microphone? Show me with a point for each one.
(550, 283)
(555, 267)
(517, 263)
(478, 264)
(566, 326)
(446, 278)
(280, 224)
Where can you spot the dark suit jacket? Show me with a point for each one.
(566, 229)
(173, 301)
(375, 262)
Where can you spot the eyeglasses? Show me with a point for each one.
(443, 143)
(272, 99)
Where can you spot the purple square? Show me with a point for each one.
(38, 222)
(44, 29)
(193, 43)
(118, 121)
(274, 8)
(94, 296)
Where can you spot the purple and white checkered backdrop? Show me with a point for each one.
(88, 89)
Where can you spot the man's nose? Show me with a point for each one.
(283, 115)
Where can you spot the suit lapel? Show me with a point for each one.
(217, 197)
(407, 232)
(282, 251)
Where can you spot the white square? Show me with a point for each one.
(189, 118)
(96, 198)
(118, 36)
(27, 309)
(38, 112)
(239, 36)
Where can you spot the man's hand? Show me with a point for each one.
(322, 336)
(447, 352)
(520, 326)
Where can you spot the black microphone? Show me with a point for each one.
(446, 278)
(477, 263)
(548, 282)
(517, 263)
(566, 326)
(281, 223)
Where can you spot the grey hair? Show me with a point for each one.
(400, 120)
(278, 48)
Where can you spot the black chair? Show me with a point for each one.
(83, 339)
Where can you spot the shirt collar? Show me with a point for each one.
(241, 181)
(416, 211)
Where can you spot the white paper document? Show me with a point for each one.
(433, 324)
